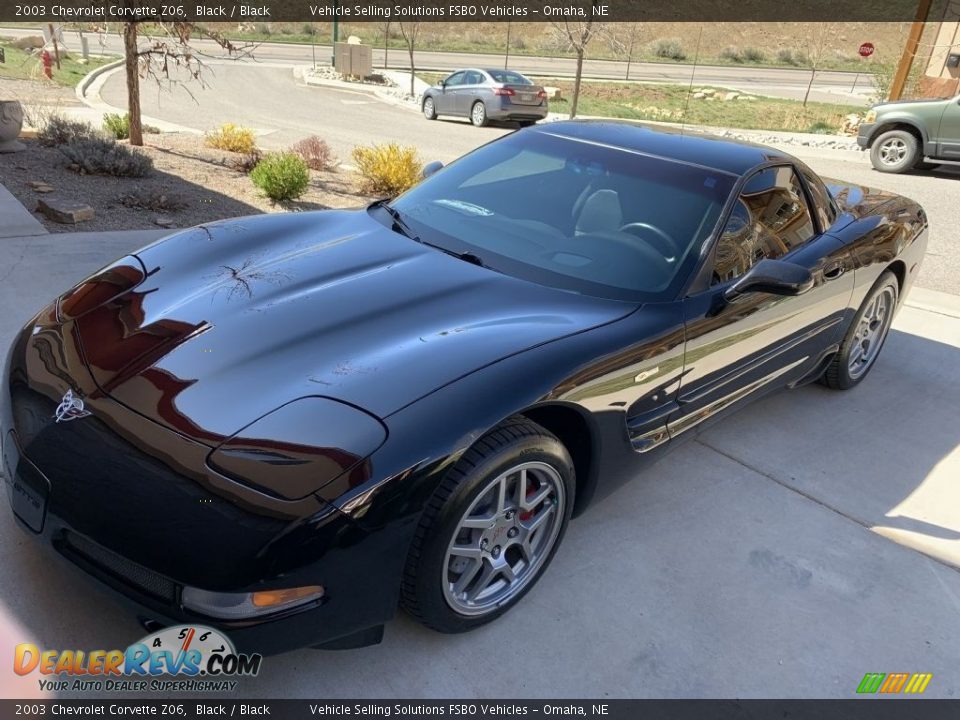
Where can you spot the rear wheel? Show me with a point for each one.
(429, 109)
(865, 337)
(491, 528)
(478, 114)
(895, 151)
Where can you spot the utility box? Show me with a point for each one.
(953, 60)
(353, 60)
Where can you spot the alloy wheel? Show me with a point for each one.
(504, 538)
(429, 109)
(893, 151)
(479, 114)
(871, 332)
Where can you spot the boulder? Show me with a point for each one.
(553, 93)
(699, 95)
(68, 212)
(730, 96)
(164, 221)
(39, 186)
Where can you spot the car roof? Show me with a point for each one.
(723, 154)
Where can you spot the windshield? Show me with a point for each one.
(570, 214)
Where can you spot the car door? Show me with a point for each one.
(445, 100)
(470, 91)
(948, 145)
(760, 341)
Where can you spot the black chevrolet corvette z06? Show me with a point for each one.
(286, 426)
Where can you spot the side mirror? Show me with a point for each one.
(430, 168)
(772, 276)
(443, 83)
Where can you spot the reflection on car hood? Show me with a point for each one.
(235, 318)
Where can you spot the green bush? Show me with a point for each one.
(281, 176)
(754, 55)
(731, 54)
(103, 156)
(669, 48)
(791, 57)
(119, 126)
(58, 130)
(387, 169)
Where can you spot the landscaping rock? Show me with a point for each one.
(40, 186)
(68, 212)
(164, 221)
(553, 93)
(699, 95)
(730, 96)
(709, 92)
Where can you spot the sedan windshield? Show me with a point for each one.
(570, 214)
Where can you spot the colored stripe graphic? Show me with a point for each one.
(918, 683)
(871, 682)
(893, 683)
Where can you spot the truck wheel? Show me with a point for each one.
(895, 151)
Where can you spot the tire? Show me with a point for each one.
(526, 123)
(429, 109)
(855, 359)
(895, 151)
(478, 114)
(461, 517)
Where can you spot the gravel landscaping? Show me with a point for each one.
(190, 184)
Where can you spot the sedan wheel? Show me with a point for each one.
(429, 109)
(865, 337)
(895, 151)
(491, 528)
(478, 114)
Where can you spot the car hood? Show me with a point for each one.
(213, 327)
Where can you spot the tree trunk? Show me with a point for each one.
(131, 61)
(813, 74)
(412, 74)
(386, 47)
(576, 84)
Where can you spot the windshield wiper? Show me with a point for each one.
(398, 222)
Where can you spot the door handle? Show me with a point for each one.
(834, 271)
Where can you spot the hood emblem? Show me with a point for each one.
(70, 408)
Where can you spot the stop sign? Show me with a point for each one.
(866, 50)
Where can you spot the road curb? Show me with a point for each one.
(934, 301)
(87, 80)
(374, 90)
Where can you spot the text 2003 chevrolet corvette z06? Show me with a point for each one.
(285, 426)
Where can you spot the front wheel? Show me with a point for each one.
(478, 114)
(429, 109)
(865, 337)
(491, 528)
(895, 151)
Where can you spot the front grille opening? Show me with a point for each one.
(79, 548)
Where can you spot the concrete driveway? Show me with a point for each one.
(810, 539)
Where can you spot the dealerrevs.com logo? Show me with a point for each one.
(187, 658)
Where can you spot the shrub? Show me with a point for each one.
(754, 55)
(58, 130)
(263, 28)
(669, 48)
(232, 138)
(732, 54)
(245, 163)
(281, 176)
(791, 57)
(119, 126)
(308, 29)
(30, 42)
(821, 128)
(316, 153)
(103, 156)
(387, 169)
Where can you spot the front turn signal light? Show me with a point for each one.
(870, 117)
(239, 606)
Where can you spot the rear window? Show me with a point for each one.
(509, 78)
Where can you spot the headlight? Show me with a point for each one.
(871, 116)
(300, 447)
(237, 606)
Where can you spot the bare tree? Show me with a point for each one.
(166, 50)
(576, 35)
(410, 31)
(815, 47)
(385, 28)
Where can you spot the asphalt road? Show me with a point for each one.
(828, 86)
(285, 111)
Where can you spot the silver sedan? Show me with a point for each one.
(484, 94)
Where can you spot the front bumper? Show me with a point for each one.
(135, 505)
(864, 133)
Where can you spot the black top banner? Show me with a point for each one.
(556, 11)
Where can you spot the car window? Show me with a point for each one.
(573, 215)
(473, 78)
(769, 219)
(823, 204)
(455, 79)
(509, 78)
